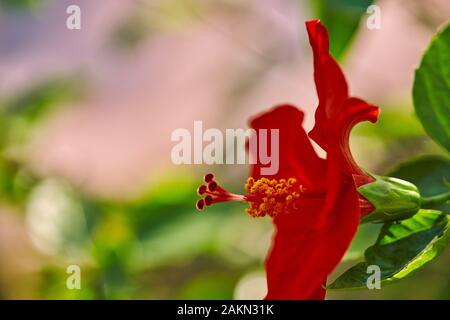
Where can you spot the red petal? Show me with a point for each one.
(297, 157)
(330, 83)
(302, 256)
(310, 243)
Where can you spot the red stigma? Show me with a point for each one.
(214, 193)
(212, 186)
(201, 190)
(208, 200)
(200, 204)
(208, 177)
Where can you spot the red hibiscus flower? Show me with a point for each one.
(314, 202)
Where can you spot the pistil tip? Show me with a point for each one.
(201, 190)
(200, 205)
(208, 177)
(212, 186)
(208, 200)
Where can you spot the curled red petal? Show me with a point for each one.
(336, 113)
(341, 167)
(354, 111)
(330, 82)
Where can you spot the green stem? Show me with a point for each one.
(435, 200)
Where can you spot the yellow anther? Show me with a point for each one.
(271, 197)
(249, 184)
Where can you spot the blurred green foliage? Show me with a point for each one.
(125, 249)
(19, 4)
(132, 247)
(20, 116)
(150, 17)
(431, 174)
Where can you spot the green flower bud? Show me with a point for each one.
(393, 199)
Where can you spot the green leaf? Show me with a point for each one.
(401, 249)
(341, 17)
(366, 235)
(431, 174)
(431, 91)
